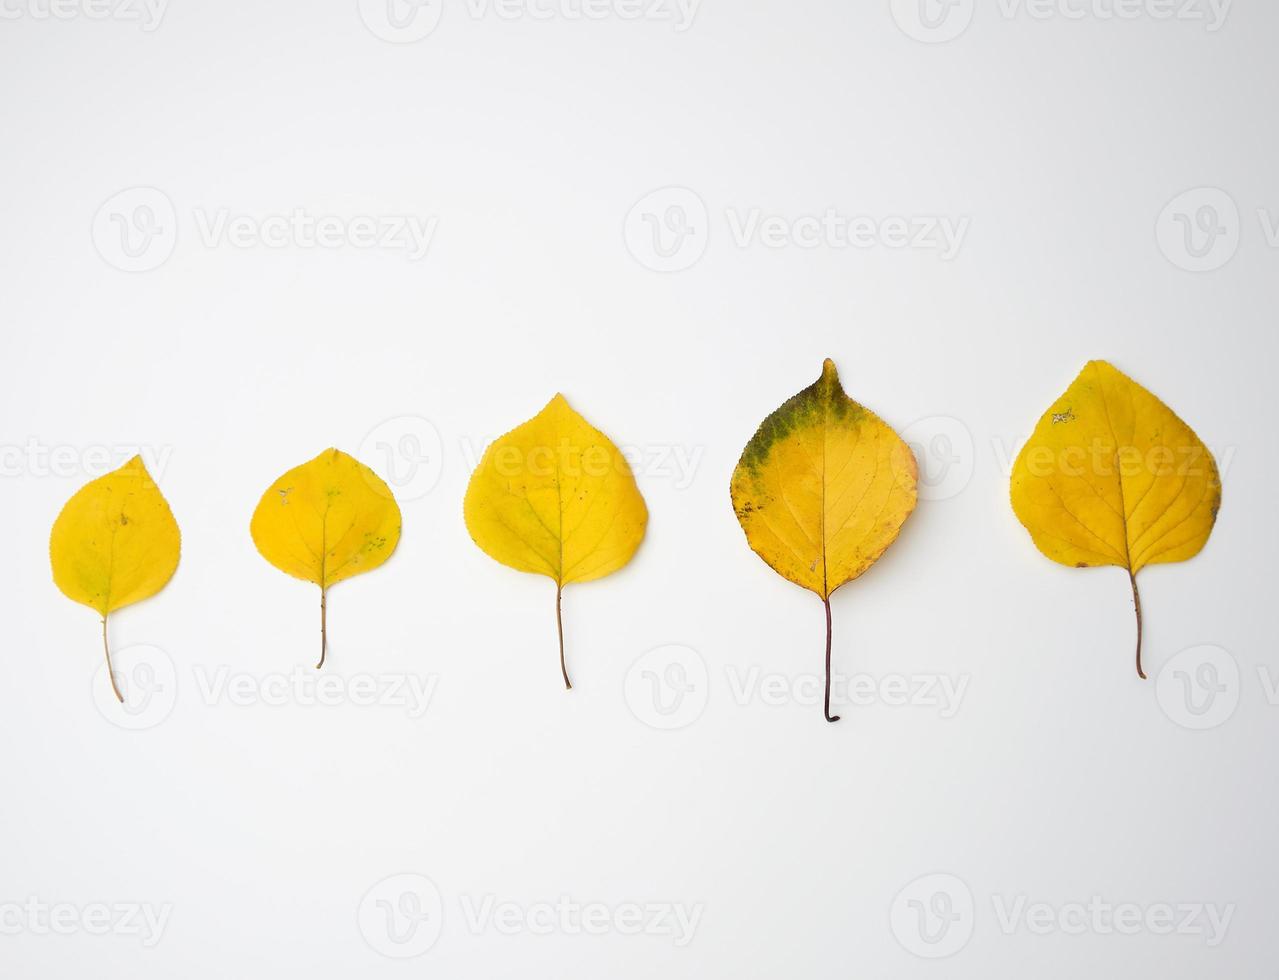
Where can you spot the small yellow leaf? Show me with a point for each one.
(822, 489)
(325, 521)
(1111, 476)
(114, 543)
(557, 498)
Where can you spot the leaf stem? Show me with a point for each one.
(110, 673)
(826, 707)
(1136, 602)
(559, 625)
(324, 632)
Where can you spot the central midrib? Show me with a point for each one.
(1119, 474)
(559, 498)
(825, 426)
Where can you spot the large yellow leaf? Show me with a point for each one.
(1111, 476)
(325, 521)
(822, 489)
(114, 543)
(557, 498)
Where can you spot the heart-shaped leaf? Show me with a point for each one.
(1111, 476)
(325, 521)
(115, 543)
(557, 498)
(822, 489)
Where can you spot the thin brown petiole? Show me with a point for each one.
(324, 633)
(1136, 602)
(559, 625)
(826, 708)
(110, 673)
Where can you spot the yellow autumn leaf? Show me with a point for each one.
(557, 498)
(114, 543)
(822, 489)
(1111, 476)
(325, 521)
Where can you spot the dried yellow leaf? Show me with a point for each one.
(325, 521)
(556, 497)
(822, 489)
(1111, 476)
(115, 543)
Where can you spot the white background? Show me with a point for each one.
(262, 826)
